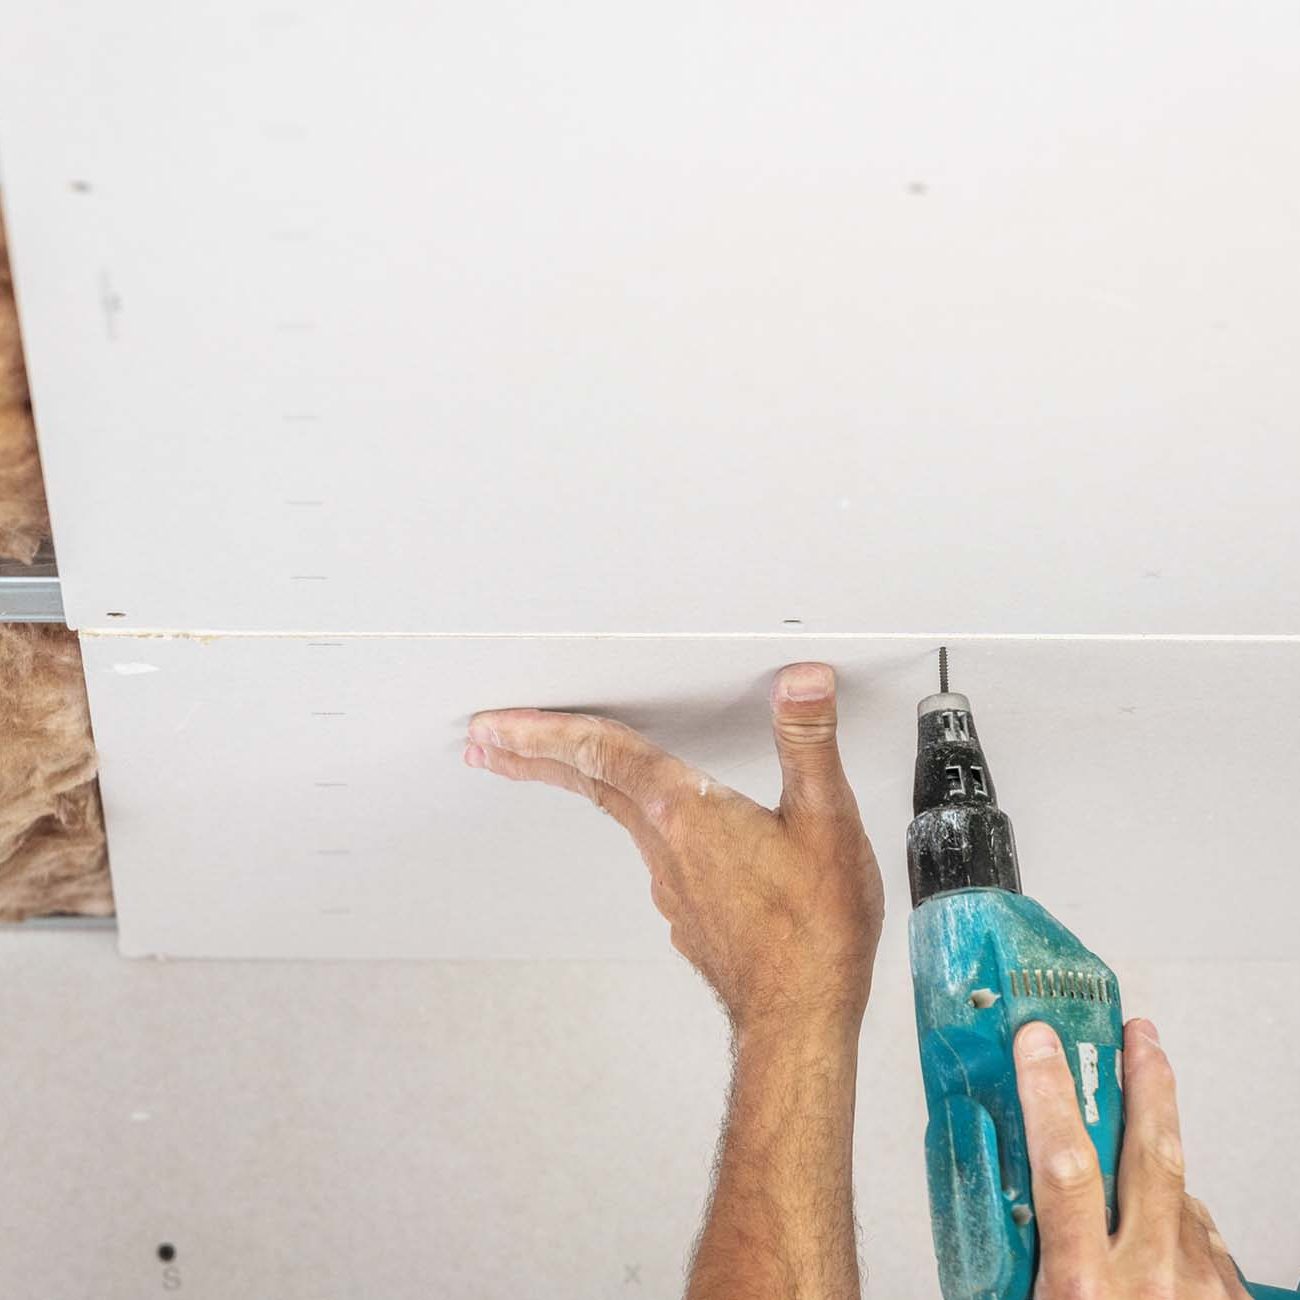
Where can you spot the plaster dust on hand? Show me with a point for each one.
(53, 857)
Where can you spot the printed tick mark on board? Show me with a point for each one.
(110, 302)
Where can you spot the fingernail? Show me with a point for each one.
(1036, 1042)
(806, 682)
(484, 734)
(474, 756)
(1148, 1031)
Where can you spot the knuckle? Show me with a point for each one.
(1056, 1284)
(664, 812)
(811, 731)
(1162, 1156)
(590, 755)
(1069, 1168)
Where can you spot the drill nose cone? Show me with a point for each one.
(949, 700)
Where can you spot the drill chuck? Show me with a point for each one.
(959, 838)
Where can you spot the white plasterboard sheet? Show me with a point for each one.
(304, 797)
(333, 1130)
(584, 318)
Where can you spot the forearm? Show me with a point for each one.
(780, 1223)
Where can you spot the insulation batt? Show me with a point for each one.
(52, 853)
(24, 523)
(53, 857)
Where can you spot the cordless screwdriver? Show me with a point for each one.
(985, 960)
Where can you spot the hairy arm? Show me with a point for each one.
(780, 910)
(780, 1222)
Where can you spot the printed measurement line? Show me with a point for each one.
(110, 302)
(308, 577)
(328, 713)
(326, 645)
(304, 501)
(330, 785)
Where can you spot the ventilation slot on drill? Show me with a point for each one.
(956, 725)
(1076, 984)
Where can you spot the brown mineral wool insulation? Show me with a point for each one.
(24, 523)
(52, 853)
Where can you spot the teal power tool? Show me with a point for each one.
(986, 959)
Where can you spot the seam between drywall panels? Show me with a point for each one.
(214, 634)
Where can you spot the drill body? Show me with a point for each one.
(985, 960)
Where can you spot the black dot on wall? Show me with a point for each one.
(166, 1252)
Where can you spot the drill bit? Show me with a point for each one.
(943, 670)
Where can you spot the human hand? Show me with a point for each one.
(1167, 1244)
(780, 910)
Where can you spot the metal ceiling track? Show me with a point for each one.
(29, 593)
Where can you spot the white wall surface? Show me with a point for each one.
(508, 319)
(486, 1131)
(419, 317)
(280, 796)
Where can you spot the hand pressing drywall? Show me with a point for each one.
(24, 522)
(53, 857)
(780, 910)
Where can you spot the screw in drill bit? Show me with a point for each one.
(943, 669)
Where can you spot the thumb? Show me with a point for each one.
(803, 721)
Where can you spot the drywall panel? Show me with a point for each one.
(305, 797)
(490, 1131)
(587, 317)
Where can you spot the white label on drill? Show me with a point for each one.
(1089, 1078)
